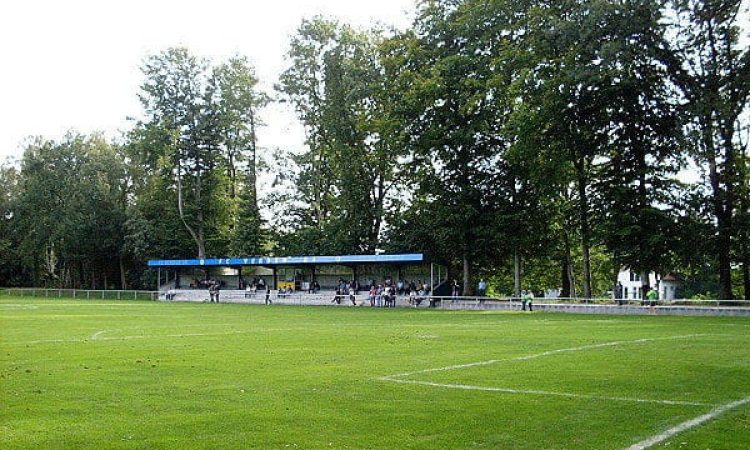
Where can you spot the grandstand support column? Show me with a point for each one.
(177, 278)
(158, 278)
(275, 279)
(354, 273)
(239, 277)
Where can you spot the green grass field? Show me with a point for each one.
(145, 375)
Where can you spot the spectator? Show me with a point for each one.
(527, 297)
(455, 289)
(379, 297)
(618, 293)
(337, 296)
(482, 288)
(268, 295)
(652, 296)
(371, 296)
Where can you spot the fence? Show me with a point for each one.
(79, 294)
(595, 301)
(448, 302)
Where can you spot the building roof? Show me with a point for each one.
(291, 260)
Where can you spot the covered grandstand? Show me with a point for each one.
(295, 273)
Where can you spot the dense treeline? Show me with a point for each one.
(534, 143)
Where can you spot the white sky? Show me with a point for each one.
(74, 64)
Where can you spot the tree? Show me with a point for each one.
(183, 129)
(70, 212)
(11, 271)
(712, 70)
(239, 101)
(635, 187)
(338, 88)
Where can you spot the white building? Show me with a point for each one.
(632, 290)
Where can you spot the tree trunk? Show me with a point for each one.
(746, 271)
(123, 278)
(615, 275)
(253, 164)
(568, 280)
(181, 210)
(467, 275)
(564, 272)
(583, 209)
(720, 210)
(516, 274)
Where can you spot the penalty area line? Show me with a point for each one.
(542, 354)
(546, 393)
(688, 424)
(97, 336)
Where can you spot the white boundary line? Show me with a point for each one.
(398, 378)
(539, 355)
(549, 393)
(692, 423)
(96, 337)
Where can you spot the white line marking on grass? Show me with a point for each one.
(147, 336)
(550, 393)
(96, 335)
(542, 354)
(692, 423)
(16, 306)
(398, 378)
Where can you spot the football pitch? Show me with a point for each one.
(148, 375)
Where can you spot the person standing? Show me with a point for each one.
(482, 288)
(454, 291)
(268, 296)
(618, 293)
(526, 298)
(373, 293)
(652, 296)
(413, 299)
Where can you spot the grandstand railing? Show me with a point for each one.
(83, 294)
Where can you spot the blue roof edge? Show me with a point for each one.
(290, 260)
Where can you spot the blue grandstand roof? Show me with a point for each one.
(291, 260)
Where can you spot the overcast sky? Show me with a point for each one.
(74, 64)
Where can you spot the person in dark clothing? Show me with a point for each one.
(337, 297)
(268, 296)
(618, 293)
